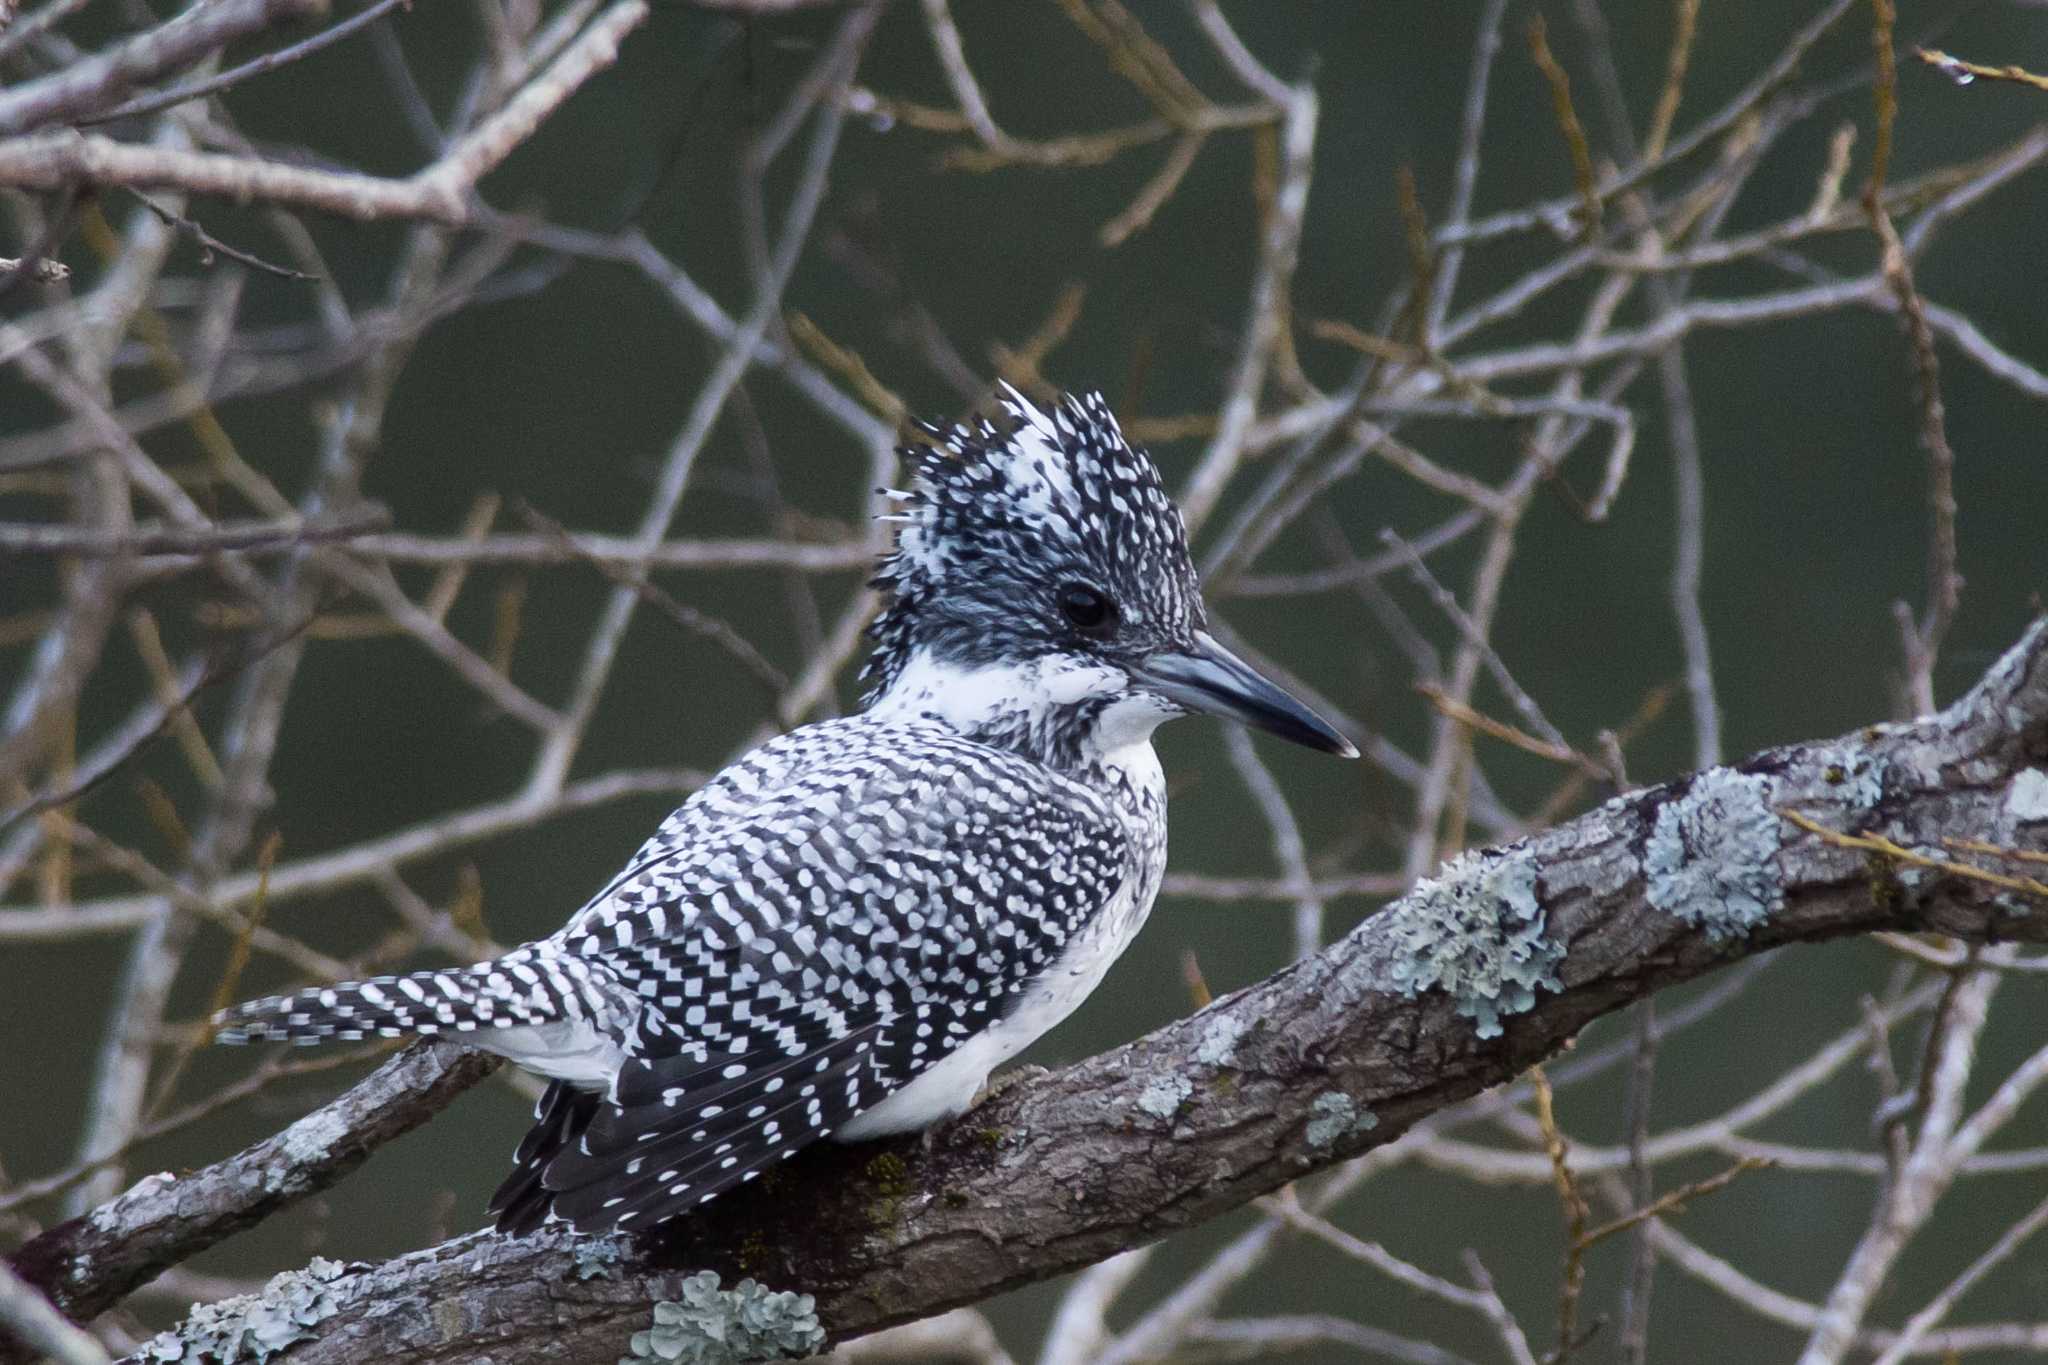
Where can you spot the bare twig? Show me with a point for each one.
(440, 193)
(1567, 123)
(166, 1218)
(1921, 1323)
(1967, 73)
(210, 245)
(256, 66)
(690, 619)
(88, 86)
(1675, 1201)
(1573, 1204)
(19, 539)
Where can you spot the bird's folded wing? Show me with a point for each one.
(688, 1131)
(810, 934)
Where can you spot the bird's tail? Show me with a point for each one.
(520, 988)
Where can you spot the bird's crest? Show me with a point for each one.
(994, 514)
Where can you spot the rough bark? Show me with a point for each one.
(1495, 964)
(90, 1263)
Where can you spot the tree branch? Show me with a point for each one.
(441, 193)
(87, 86)
(90, 1263)
(1493, 965)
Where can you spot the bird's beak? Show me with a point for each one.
(1207, 677)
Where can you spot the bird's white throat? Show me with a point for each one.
(1032, 697)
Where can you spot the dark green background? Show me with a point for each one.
(567, 397)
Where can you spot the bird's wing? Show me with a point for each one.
(824, 922)
(523, 1200)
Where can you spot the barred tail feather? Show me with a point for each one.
(512, 991)
(524, 1201)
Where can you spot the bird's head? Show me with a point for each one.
(1041, 595)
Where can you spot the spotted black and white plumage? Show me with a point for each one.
(842, 933)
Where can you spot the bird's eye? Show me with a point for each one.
(1087, 609)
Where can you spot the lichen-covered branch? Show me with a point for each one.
(1495, 964)
(92, 1262)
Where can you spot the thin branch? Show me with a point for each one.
(440, 194)
(33, 539)
(87, 86)
(551, 766)
(165, 1219)
(1567, 123)
(1279, 250)
(357, 863)
(1921, 1323)
(698, 623)
(26, 1314)
(233, 76)
(1967, 73)
(210, 245)
(1674, 1201)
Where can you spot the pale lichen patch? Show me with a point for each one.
(1709, 857)
(1164, 1095)
(2026, 801)
(1333, 1115)
(114, 1215)
(712, 1326)
(253, 1327)
(1855, 776)
(311, 1140)
(1218, 1044)
(1476, 931)
(598, 1258)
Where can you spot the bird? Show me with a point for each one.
(843, 933)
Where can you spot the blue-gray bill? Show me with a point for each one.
(1210, 679)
